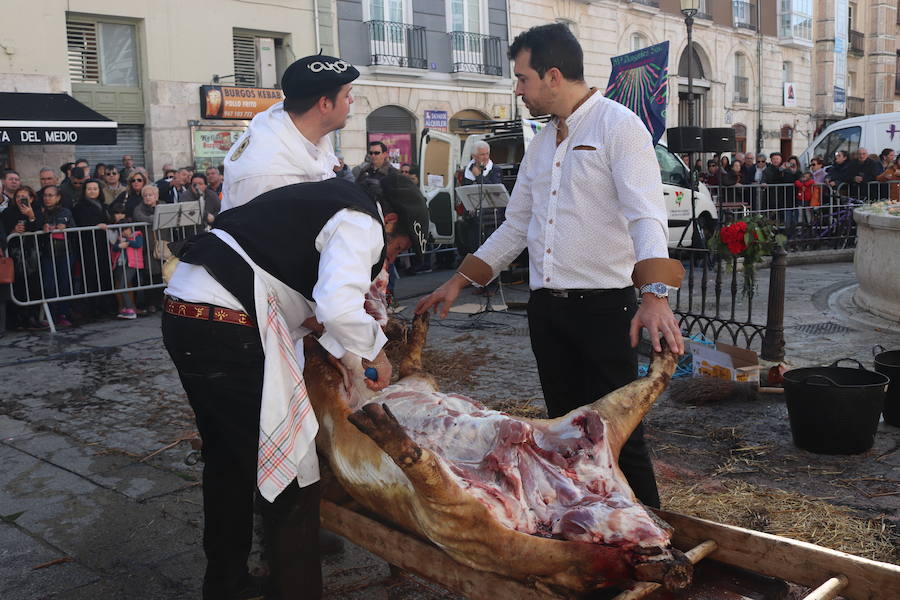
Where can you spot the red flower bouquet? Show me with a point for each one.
(750, 238)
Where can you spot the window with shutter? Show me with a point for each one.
(244, 60)
(84, 60)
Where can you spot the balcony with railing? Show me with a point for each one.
(394, 44)
(741, 89)
(857, 43)
(743, 14)
(650, 3)
(856, 107)
(474, 53)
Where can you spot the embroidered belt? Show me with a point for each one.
(207, 312)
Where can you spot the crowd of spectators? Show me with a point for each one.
(55, 263)
(787, 192)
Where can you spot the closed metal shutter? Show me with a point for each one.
(390, 119)
(130, 140)
(244, 60)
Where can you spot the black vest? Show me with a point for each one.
(278, 230)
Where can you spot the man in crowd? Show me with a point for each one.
(127, 167)
(839, 172)
(168, 171)
(569, 202)
(177, 187)
(199, 191)
(342, 171)
(481, 169)
(47, 176)
(289, 143)
(378, 168)
(237, 379)
(11, 184)
(214, 180)
(112, 185)
(748, 169)
(72, 190)
(861, 172)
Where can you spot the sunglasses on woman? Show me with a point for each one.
(136, 179)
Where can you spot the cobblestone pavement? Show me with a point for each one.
(96, 500)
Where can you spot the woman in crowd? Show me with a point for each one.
(23, 216)
(56, 258)
(99, 171)
(91, 246)
(151, 300)
(891, 177)
(730, 180)
(131, 197)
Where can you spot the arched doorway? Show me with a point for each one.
(469, 114)
(700, 85)
(740, 137)
(396, 128)
(787, 141)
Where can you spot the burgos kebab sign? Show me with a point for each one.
(241, 103)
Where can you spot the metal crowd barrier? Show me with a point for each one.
(60, 266)
(828, 224)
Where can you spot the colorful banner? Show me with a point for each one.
(399, 146)
(640, 81)
(224, 102)
(436, 120)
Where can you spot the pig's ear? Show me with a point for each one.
(624, 408)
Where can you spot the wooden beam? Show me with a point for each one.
(645, 588)
(424, 559)
(784, 558)
(829, 590)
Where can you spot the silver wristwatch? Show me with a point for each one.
(660, 290)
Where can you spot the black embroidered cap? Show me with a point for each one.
(400, 195)
(316, 74)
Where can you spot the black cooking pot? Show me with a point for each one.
(834, 410)
(888, 363)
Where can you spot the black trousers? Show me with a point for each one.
(583, 352)
(221, 369)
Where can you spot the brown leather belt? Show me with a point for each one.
(207, 312)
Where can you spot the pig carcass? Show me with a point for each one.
(539, 500)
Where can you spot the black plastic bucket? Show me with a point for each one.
(834, 410)
(888, 363)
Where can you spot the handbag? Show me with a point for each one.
(7, 269)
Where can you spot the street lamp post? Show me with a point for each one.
(689, 8)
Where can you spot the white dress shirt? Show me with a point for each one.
(349, 244)
(273, 153)
(587, 209)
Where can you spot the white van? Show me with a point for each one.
(441, 156)
(872, 132)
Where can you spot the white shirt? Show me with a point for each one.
(273, 153)
(349, 243)
(588, 209)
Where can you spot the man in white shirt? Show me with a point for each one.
(588, 205)
(238, 306)
(289, 143)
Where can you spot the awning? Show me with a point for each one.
(52, 119)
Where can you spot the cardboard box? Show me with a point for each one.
(724, 361)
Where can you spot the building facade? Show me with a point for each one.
(751, 65)
(857, 56)
(142, 64)
(423, 64)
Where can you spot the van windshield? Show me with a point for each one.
(846, 139)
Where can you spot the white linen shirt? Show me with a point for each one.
(587, 209)
(273, 153)
(349, 244)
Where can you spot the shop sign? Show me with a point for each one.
(243, 103)
(436, 120)
(210, 144)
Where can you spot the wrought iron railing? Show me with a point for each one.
(475, 53)
(743, 14)
(397, 45)
(741, 89)
(857, 42)
(856, 106)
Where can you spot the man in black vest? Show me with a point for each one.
(241, 298)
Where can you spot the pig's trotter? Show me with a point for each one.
(377, 422)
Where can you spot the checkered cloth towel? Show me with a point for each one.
(287, 426)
